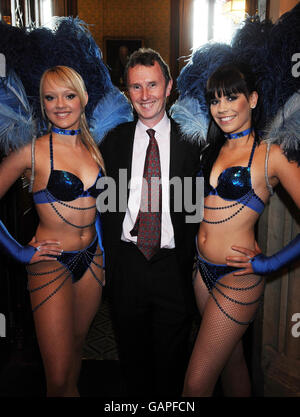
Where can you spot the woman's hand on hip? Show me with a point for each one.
(244, 260)
(46, 250)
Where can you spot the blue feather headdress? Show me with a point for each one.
(191, 111)
(30, 52)
(17, 125)
(284, 129)
(112, 109)
(268, 49)
(192, 119)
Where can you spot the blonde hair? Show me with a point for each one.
(74, 81)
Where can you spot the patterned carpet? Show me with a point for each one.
(100, 343)
(22, 373)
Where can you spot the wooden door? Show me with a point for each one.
(276, 344)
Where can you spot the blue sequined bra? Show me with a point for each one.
(234, 184)
(64, 186)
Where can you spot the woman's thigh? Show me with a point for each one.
(201, 292)
(87, 294)
(220, 329)
(51, 294)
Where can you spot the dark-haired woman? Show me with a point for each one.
(240, 172)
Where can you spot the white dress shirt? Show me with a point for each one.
(140, 144)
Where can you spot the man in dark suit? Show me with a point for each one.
(151, 295)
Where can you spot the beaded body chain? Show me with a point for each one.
(235, 180)
(215, 285)
(243, 203)
(75, 263)
(72, 207)
(86, 256)
(48, 194)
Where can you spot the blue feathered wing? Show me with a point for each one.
(17, 126)
(193, 121)
(29, 53)
(284, 129)
(112, 110)
(268, 49)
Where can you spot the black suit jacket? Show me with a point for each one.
(116, 150)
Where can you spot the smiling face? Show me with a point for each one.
(62, 104)
(232, 113)
(148, 91)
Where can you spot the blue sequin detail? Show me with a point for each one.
(234, 184)
(71, 132)
(239, 134)
(64, 186)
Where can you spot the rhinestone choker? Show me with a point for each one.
(71, 132)
(238, 135)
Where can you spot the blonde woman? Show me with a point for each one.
(65, 257)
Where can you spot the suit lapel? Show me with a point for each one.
(175, 171)
(126, 148)
(125, 151)
(175, 157)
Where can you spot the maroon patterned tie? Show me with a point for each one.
(147, 227)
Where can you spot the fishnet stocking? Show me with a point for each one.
(220, 331)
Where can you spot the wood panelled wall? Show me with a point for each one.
(147, 19)
(65, 7)
(276, 356)
(276, 347)
(278, 7)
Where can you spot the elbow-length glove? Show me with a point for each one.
(264, 265)
(13, 249)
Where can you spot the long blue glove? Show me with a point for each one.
(264, 265)
(12, 248)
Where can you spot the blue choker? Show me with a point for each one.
(238, 135)
(65, 131)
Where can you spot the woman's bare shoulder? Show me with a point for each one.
(42, 141)
(275, 154)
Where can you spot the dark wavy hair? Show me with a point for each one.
(147, 57)
(229, 79)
